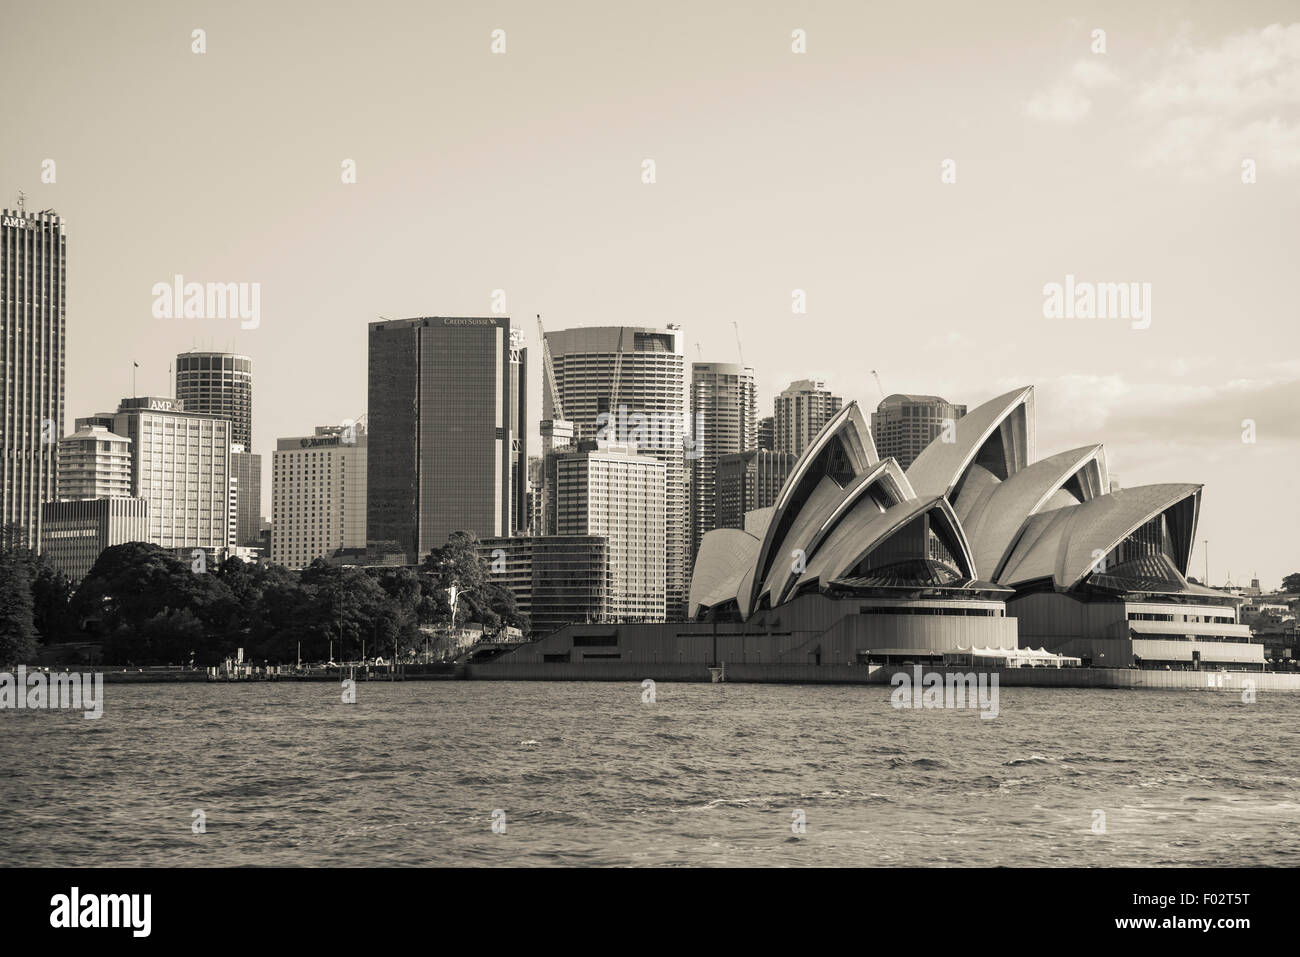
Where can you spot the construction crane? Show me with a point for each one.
(739, 349)
(618, 374)
(878, 385)
(548, 372)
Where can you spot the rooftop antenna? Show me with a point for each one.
(699, 352)
(22, 201)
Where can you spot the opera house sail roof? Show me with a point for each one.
(974, 511)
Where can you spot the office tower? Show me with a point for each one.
(750, 480)
(903, 425)
(447, 444)
(556, 580)
(801, 411)
(180, 464)
(646, 368)
(725, 416)
(33, 298)
(607, 489)
(75, 532)
(767, 432)
(221, 384)
(318, 494)
(94, 463)
(246, 473)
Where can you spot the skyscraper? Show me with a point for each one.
(801, 411)
(221, 384)
(607, 489)
(180, 464)
(648, 367)
(725, 416)
(903, 425)
(767, 433)
(318, 495)
(750, 480)
(33, 297)
(447, 445)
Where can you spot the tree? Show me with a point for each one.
(482, 599)
(131, 594)
(17, 630)
(349, 607)
(1292, 582)
(50, 587)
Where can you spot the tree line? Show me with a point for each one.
(147, 607)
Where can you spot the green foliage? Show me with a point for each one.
(17, 631)
(151, 608)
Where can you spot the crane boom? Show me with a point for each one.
(618, 374)
(739, 349)
(548, 372)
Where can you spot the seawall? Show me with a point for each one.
(1231, 681)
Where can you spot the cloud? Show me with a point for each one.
(1061, 104)
(1076, 409)
(1200, 109)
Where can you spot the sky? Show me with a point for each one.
(774, 171)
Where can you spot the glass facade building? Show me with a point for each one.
(556, 580)
(447, 403)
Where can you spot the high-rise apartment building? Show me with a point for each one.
(767, 432)
(318, 494)
(750, 480)
(649, 410)
(447, 439)
(725, 416)
(94, 463)
(609, 490)
(33, 298)
(801, 411)
(903, 425)
(180, 464)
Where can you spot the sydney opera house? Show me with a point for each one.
(979, 544)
